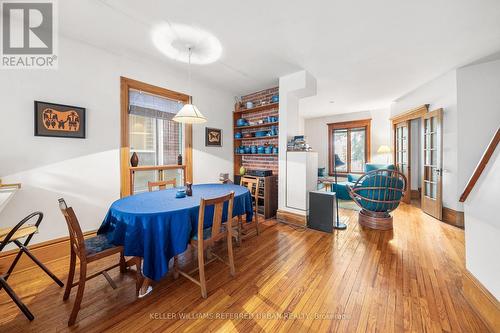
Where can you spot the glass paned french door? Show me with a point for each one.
(432, 173)
(402, 154)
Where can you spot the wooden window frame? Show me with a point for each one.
(348, 125)
(125, 85)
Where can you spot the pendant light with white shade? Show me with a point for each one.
(189, 114)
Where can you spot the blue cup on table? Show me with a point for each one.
(181, 193)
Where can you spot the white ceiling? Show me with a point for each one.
(363, 53)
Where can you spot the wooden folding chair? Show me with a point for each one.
(87, 251)
(162, 185)
(205, 238)
(252, 184)
(13, 235)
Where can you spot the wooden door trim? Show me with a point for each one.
(125, 85)
(415, 113)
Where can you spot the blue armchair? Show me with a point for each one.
(341, 187)
(378, 193)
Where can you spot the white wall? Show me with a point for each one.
(86, 171)
(482, 228)
(479, 118)
(479, 114)
(316, 131)
(292, 88)
(440, 93)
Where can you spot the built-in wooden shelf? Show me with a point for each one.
(259, 108)
(256, 126)
(257, 138)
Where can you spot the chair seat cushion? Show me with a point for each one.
(207, 233)
(97, 244)
(386, 200)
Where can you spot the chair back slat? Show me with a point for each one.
(217, 220)
(162, 185)
(218, 204)
(252, 184)
(75, 232)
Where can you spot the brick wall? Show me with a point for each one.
(260, 162)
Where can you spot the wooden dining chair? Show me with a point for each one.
(162, 185)
(205, 239)
(14, 236)
(252, 184)
(90, 250)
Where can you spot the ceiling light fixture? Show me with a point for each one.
(173, 39)
(189, 114)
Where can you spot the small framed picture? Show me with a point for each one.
(58, 120)
(213, 137)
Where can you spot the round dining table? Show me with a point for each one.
(158, 226)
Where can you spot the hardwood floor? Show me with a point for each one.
(287, 279)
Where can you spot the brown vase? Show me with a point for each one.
(134, 160)
(189, 189)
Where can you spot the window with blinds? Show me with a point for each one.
(154, 136)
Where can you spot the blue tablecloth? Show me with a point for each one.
(157, 226)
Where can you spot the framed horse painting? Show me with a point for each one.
(58, 120)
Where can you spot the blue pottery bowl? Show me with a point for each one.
(260, 150)
(248, 150)
(241, 150)
(241, 122)
(260, 133)
(238, 135)
(275, 99)
(269, 150)
(275, 150)
(180, 193)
